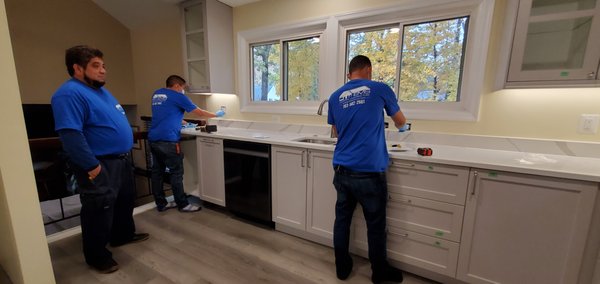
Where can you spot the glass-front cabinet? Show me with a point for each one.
(556, 40)
(195, 47)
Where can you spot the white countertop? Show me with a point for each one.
(552, 165)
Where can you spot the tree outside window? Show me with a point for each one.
(431, 58)
(296, 81)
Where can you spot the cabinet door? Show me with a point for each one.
(431, 181)
(524, 229)
(556, 41)
(211, 170)
(288, 168)
(321, 194)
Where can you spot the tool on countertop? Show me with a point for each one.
(207, 128)
(425, 151)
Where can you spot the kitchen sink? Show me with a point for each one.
(315, 140)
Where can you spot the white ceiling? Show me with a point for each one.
(136, 13)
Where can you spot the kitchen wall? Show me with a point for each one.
(157, 53)
(23, 251)
(41, 31)
(531, 113)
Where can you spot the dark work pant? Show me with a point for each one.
(167, 155)
(370, 190)
(107, 204)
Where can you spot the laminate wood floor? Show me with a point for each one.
(209, 246)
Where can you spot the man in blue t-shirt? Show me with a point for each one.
(97, 138)
(168, 107)
(360, 160)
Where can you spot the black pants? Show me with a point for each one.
(107, 204)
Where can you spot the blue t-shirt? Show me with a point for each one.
(356, 110)
(95, 113)
(168, 107)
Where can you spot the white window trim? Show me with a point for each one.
(333, 48)
(278, 33)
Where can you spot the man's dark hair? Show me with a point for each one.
(359, 62)
(174, 79)
(80, 55)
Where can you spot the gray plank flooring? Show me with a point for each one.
(209, 246)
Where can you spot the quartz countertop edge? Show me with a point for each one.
(558, 166)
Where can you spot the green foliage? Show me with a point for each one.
(265, 62)
(431, 60)
(303, 70)
(381, 46)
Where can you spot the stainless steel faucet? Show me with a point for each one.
(320, 110)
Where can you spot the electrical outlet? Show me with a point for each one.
(588, 123)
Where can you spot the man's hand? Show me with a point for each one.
(220, 113)
(95, 172)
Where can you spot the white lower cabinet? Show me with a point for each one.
(303, 196)
(424, 215)
(433, 254)
(524, 229)
(211, 170)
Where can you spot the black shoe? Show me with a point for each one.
(136, 239)
(109, 266)
(387, 274)
(343, 268)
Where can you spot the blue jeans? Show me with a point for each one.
(370, 190)
(167, 155)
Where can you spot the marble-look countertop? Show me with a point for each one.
(562, 159)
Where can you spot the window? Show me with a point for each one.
(423, 51)
(381, 46)
(431, 56)
(286, 71)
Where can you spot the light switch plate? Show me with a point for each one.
(588, 123)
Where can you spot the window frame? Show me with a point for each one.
(280, 34)
(283, 65)
(333, 52)
(480, 14)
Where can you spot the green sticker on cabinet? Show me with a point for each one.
(430, 167)
(437, 243)
(492, 174)
(564, 73)
(439, 233)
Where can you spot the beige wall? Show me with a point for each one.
(24, 251)
(546, 114)
(41, 31)
(157, 53)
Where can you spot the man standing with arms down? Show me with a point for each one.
(360, 160)
(168, 107)
(97, 137)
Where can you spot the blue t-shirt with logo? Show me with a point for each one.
(95, 113)
(168, 107)
(356, 110)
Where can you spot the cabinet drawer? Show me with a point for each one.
(431, 181)
(426, 252)
(432, 218)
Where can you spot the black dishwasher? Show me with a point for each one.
(248, 180)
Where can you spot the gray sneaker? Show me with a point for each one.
(190, 208)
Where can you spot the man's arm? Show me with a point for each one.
(399, 119)
(79, 151)
(203, 113)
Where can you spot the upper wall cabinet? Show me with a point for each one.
(556, 42)
(208, 46)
